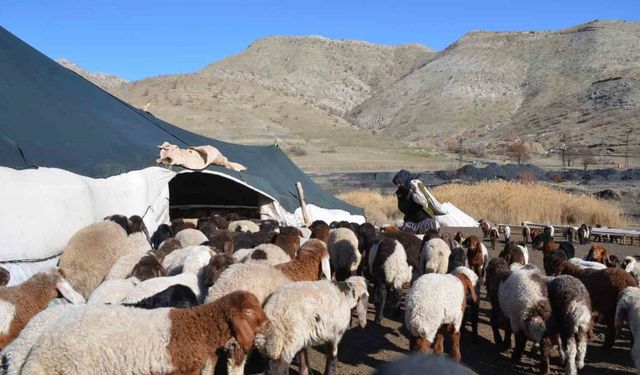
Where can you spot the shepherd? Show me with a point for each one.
(418, 205)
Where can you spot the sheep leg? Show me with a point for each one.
(235, 366)
(521, 342)
(332, 359)
(474, 319)
(277, 367)
(382, 300)
(495, 323)
(570, 359)
(420, 345)
(545, 346)
(438, 347)
(303, 357)
(455, 346)
(506, 345)
(610, 334)
(581, 338)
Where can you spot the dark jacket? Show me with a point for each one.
(412, 211)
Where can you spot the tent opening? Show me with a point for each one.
(194, 194)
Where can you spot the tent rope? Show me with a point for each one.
(32, 260)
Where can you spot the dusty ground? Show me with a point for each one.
(364, 350)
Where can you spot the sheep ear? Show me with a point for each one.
(242, 330)
(228, 247)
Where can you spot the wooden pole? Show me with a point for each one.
(303, 205)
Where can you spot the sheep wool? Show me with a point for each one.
(90, 254)
(174, 261)
(587, 264)
(628, 309)
(123, 266)
(268, 254)
(112, 292)
(435, 256)
(191, 237)
(343, 249)
(243, 226)
(259, 279)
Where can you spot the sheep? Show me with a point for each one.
(91, 252)
(343, 252)
(166, 248)
(526, 233)
(310, 313)
(569, 233)
(583, 234)
(549, 230)
(435, 256)
(507, 233)
(261, 279)
(389, 271)
(264, 253)
(177, 296)
(604, 287)
(127, 340)
(458, 238)
(174, 262)
(628, 308)
(320, 230)
(147, 268)
(217, 265)
(161, 234)
(191, 276)
(112, 292)
(600, 254)
(20, 303)
(485, 227)
(436, 303)
(587, 264)
(497, 271)
(5, 276)
(191, 237)
(552, 251)
(493, 237)
(458, 258)
(123, 266)
(523, 300)
(269, 225)
(477, 255)
(413, 246)
(571, 308)
(632, 266)
(243, 226)
(288, 240)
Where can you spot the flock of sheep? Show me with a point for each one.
(194, 297)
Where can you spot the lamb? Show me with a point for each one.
(632, 266)
(5, 276)
(604, 287)
(548, 246)
(435, 256)
(288, 240)
(477, 255)
(436, 303)
(320, 230)
(91, 252)
(628, 308)
(571, 308)
(311, 263)
(243, 226)
(177, 296)
(493, 237)
(20, 303)
(217, 265)
(413, 246)
(389, 271)
(112, 292)
(485, 227)
(497, 271)
(191, 277)
(143, 341)
(343, 252)
(310, 313)
(523, 300)
(161, 234)
(264, 253)
(191, 237)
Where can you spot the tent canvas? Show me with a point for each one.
(52, 121)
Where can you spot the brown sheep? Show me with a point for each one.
(475, 256)
(600, 254)
(288, 240)
(513, 254)
(320, 230)
(497, 271)
(604, 287)
(166, 248)
(493, 237)
(216, 266)
(486, 228)
(147, 267)
(20, 303)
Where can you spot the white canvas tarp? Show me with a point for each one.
(455, 217)
(42, 208)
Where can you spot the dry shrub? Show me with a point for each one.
(527, 176)
(500, 202)
(378, 208)
(513, 203)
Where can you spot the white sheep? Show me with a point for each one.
(125, 340)
(268, 254)
(524, 249)
(243, 226)
(191, 277)
(174, 261)
(310, 313)
(587, 264)
(628, 308)
(507, 233)
(523, 300)
(191, 237)
(435, 256)
(344, 254)
(434, 303)
(632, 266)
(112, 292)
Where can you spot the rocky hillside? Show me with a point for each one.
(108, 82)
(494, 86)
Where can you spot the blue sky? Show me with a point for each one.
(137, 39)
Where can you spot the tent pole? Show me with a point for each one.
(303, 205)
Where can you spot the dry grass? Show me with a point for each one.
(502, 202)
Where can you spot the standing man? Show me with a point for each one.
(416, 203)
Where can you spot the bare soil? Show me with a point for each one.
(364, 350)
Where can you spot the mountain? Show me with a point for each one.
(581, 84)
(106, 81)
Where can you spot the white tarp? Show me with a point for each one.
(455, 217)
(42, 208)
(318, 213)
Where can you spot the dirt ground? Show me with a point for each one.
(363, 350)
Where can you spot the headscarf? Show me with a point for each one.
(404, 177)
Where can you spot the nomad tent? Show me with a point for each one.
(71, 154)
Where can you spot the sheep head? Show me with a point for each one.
(246, 317)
